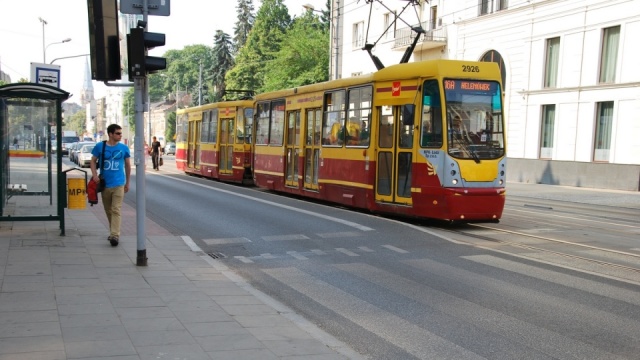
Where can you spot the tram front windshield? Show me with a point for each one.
(474, 119)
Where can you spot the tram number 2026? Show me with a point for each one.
(469, 68)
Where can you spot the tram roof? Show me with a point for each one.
(394, 72)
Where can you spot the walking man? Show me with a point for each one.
(116, 171)
(155, 153)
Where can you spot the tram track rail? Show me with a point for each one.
(596, 264)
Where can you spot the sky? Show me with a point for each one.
(21, 33)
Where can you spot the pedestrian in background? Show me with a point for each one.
(155, 153)
(115, 160)
(15, 143)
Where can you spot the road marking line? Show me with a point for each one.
(244, 259)
(318, 252)
(267, 256)
(365, 249)
(346, 252)
(223, 241)
(339, 234)
(396, 249)
(285, 237)
(297, 256)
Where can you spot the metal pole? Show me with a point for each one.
(140, 93)
(139, 159)
(44, 50)
(200, 85)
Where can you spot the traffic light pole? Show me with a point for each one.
(139, 91)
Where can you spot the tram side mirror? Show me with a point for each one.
(408, 114)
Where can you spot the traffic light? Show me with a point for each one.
(138, 41)
(104, 39)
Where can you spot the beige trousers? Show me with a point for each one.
(112, 199)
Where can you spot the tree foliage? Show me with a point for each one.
(183, 71)
(77, 122)
(222, 62)
(243, 27)
(263, 43)
(305, 58)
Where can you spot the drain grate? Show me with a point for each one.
(216, 255)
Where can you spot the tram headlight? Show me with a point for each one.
(454, 181)
(453, 173)
(502, 173)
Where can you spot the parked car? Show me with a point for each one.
(84, 155)
(66, 141)
(70, 148)
(170, 148)
(75, 150)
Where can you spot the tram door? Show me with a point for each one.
(395, 151)
(196, 144)
(292, 148)
(193, 144)
(312, 148)
(225, 165)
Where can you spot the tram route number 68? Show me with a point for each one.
(469, 68)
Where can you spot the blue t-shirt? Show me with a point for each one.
(113, 169)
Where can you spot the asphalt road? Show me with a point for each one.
(554, 279)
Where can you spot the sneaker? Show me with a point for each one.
(113, 240)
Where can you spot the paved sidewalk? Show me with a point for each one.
(76, 297)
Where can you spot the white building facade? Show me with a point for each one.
(571, 80)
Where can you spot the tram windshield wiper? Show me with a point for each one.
(468, 150)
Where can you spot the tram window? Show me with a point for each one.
(248, 126)
(385, 130)
(406, 126)
(262, 124)
(357, 128)
(239, 134)
(431, 123)
(204, 135)
(213, 126)
(277, 123)
(181, 124)
(333, 121)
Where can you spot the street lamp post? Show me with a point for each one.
(44, 55)
(44, 51)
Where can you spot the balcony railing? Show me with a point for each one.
(430, 39)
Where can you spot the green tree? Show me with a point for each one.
(262, 45)
(183, 71)
(170, 133)
(222, 62)
(77, 122)
(305, 59)
(129, 109)
(244, 24)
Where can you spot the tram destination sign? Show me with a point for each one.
(475, 86)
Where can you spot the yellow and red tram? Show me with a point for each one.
(422, 139)
(214, 140)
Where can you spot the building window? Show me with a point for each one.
(494, 56)
(502, 5)
(604, 120)
(609, 55)
(434, 17)
(358, 35)
(389, 25)
(546, 140)
(551, 63)
(483, 7)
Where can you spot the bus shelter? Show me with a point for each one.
(31, 189)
